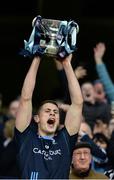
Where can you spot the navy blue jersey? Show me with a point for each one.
(41, 158)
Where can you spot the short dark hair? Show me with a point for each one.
(97, 81)
(100, 137)
(45, 102)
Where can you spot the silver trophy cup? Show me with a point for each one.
(52, 35)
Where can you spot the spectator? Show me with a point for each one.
(81, 163)
(102, 142)
(93, 109)
(99, 51)
(101, 126)
(8, 165)
(100, 159)
(99, 90)
(13, 108)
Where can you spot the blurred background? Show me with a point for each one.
(96, 23)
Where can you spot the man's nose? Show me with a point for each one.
(82, 156)
(52, 113)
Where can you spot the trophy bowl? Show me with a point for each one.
(52, 30)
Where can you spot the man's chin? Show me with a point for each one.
(83, 172)
(83, 169)
(51, 131)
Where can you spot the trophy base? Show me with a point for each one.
(51, 51)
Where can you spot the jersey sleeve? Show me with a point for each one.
(21, 137)
(70, 140)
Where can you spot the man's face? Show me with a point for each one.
(88, 92)
(13, 108)
(99, 90)
(81, 159)
(48, 119)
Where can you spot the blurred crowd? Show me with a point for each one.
(96, 136)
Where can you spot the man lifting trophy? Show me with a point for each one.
(45, 152)
(51, 37)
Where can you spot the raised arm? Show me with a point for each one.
(24, 113)
(99, 51)
(74, 113)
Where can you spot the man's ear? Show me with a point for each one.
(36, 118)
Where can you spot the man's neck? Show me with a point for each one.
(82, 174)
(45, 135)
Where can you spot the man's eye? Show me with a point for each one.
(46, 110)
(56, 112)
